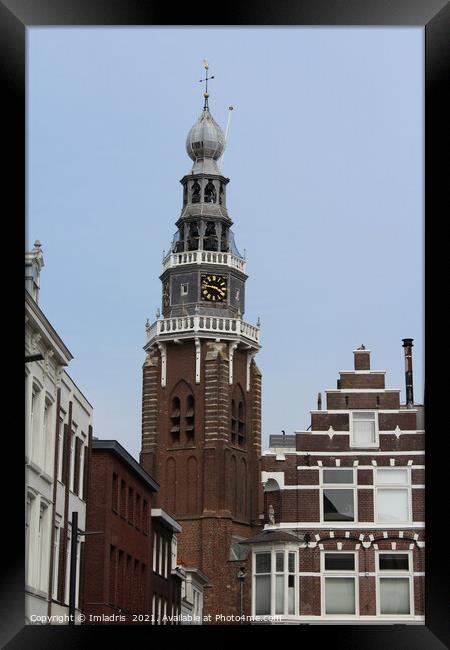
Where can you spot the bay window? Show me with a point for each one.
(275, 582)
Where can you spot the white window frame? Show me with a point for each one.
(273, 550)
(392, 486)
(32, 539)
(336, 486)
(355, 445)
(392, 573)
(44, 545)
(36, 418)
(337, 573)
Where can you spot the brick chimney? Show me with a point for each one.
(408, 346)
(362, 358)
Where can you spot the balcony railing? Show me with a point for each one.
(199, 257)
(185, 325)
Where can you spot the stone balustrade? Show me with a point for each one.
(204, 257)
(198, 325)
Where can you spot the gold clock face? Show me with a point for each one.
(214, 288)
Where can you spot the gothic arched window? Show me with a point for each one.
(234, 422)
(241, 423)
(195, 193)
(175, 420)
(221, 194)
(210, 192)
(238, 418)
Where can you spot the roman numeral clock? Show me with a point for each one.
(214, 287)
(201, 405)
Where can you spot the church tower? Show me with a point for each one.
(201, 407)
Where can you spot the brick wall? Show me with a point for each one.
(117, 562)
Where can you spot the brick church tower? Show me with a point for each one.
(201, 408)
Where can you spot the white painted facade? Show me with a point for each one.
(45, 494)
(192, 596)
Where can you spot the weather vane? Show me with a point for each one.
(206, 79)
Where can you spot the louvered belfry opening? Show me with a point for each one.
(190, 419)
(175, 420)
(182, 420)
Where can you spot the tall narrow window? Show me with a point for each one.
(35, 427)
(47, 455)
(175, 420)
(190, 419)
(76, 469)
(234, 421)
(394, 583)
(241, 423)
(263, 583)
(73, 436)
(56, 544)
(340, 583)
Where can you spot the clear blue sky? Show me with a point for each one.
(325, 157)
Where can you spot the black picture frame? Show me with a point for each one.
(434, 16)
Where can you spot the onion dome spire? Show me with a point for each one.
(205, 142)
